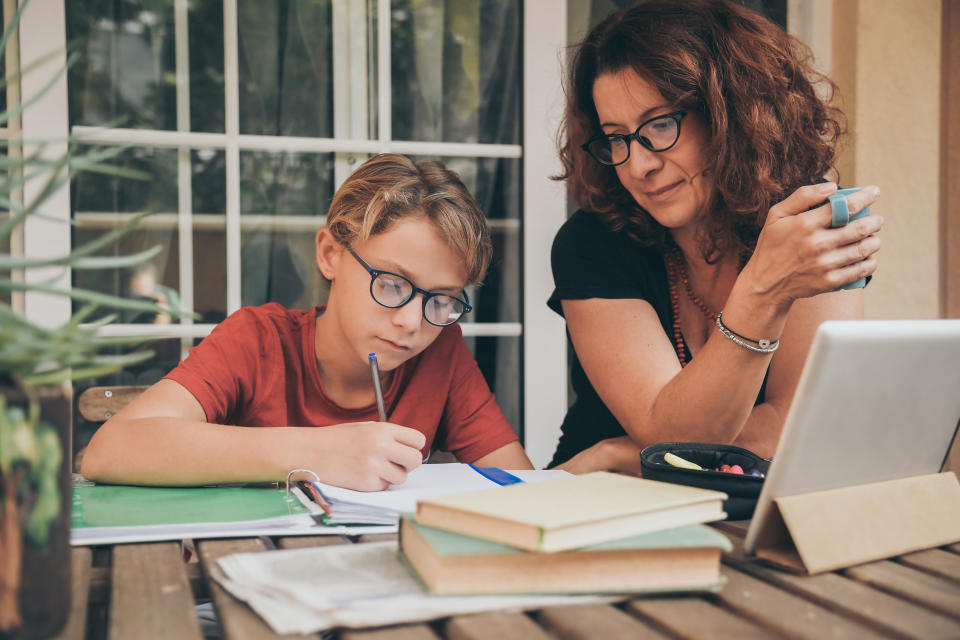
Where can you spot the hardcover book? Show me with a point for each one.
(680, 559)
(572, 512)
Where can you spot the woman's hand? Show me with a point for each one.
(613, 454)
(798, 255)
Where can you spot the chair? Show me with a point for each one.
(98, 404)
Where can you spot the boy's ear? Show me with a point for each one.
(329, 252)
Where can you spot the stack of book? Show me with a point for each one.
(598, 532)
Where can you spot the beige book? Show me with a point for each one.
(572, 512)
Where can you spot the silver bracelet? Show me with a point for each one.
(760, 346)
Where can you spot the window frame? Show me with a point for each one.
(543, 201)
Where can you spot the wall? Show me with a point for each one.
(888, 70)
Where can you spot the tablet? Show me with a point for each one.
(877, 400)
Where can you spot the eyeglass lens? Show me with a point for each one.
(394, 291)
(658, 134)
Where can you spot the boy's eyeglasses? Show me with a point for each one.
(656, 134)
(392, 290)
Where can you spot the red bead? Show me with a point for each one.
(677, 270)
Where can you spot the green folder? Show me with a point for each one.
(125, 506)
(107, 514)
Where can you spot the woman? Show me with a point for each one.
(701, 263)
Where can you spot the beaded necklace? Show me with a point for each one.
(677, 271)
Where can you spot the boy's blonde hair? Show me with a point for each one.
(388, 188)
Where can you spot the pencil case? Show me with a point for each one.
(742, 490)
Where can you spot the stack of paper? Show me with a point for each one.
(359, 585)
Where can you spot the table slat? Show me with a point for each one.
(403, 632)
(697, 619)
(150, 595)
(879, 610)
(736, 527)
(585, 621)
(237, 620)
(924, 589)
(784, 612)
(99, 592)
(376, 537)
(497, 624)
(302, 542)
(81, 560)
(935, 561)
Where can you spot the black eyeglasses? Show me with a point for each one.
(392, 290)
(656, 134)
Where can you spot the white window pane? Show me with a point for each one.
(495, 184)
(456, 70)
(499, 359)
(286, 68)
(126, 73)
(284, 198)
(102, 203)
(285, 184)
(279, 266)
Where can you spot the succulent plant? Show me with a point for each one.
(31, 355)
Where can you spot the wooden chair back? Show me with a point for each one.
(97, 404)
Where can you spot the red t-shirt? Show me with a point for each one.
(257, 368)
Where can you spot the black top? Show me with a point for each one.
(589, 261)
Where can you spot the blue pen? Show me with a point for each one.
(375, 372)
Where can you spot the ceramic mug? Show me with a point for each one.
(840, 216)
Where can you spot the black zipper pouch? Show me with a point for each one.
(742, 490)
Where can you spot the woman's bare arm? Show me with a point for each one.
(620, 385)
(631, 362)
(761, 431)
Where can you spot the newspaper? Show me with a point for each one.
(354, 586)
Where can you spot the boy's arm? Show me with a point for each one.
(509, 456)
(162, 438)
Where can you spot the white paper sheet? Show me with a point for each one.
(426, 481)
(354, 586)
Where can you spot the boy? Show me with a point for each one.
(402, 242)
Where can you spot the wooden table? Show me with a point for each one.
(147, 591)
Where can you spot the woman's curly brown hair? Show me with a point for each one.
(751, 82)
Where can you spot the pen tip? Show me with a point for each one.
(372, 356)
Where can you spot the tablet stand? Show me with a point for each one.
(827, 530)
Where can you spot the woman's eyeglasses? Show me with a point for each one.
(392, 290)
(656, 134)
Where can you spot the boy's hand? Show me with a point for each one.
(364, 456)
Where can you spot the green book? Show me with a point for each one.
(680, 559)
(104, 514)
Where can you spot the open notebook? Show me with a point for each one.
(106, 514)
(344, 506)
